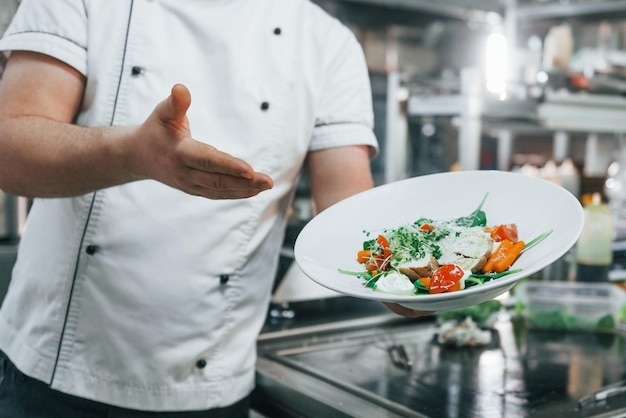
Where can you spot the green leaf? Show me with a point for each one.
(351, 273)
(476, 218)
(537, 240)
(420, 288)
(371, 283)
(473, 281)
(369, 244)
(607, 322)
(485, 277)
(480, 313)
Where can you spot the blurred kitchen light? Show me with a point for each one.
(542, 77)
(428, 129)
(402, 94)
(496, 64)
(493, 18)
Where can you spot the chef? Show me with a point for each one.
(162, 141)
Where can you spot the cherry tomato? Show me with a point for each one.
(446, 278)
(427, 227)
(505, 231)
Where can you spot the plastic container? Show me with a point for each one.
(571, 306)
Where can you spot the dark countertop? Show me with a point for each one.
(334, 357)
(322, 312)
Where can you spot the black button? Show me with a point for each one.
(265, 106)
(224, 278)
(201, 364)
(91, 249)
(135, 70)
(277, 31)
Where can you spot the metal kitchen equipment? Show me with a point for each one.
(9, 217)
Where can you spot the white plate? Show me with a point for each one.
(330, 241)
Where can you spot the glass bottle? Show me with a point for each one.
(594, 251)
(615, 189)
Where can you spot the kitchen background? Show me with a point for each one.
(535, 86)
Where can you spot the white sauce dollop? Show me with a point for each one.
(394, 282)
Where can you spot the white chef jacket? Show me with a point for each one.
(142, 296)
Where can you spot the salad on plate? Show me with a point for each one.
(430, 256)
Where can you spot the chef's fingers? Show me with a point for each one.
(220, 186)
(406, 312)
(228, 187)
(204, 157)
(173, 113)
(196, 167)
(173, 110)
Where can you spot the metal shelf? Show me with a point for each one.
(558, 111)
(474, 10)
(583, 112)
(559, 11)
(452, 105)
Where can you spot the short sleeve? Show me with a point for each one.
(345, 114)
(57, 28)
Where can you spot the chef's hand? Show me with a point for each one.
(166, 152)
(404, 311)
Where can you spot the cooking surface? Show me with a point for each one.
(401, 368)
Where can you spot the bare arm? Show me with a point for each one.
(42, 154)
(337, 173)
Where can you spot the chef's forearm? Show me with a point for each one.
(45, 158)
(337, 173)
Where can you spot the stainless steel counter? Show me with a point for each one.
(383, 366)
